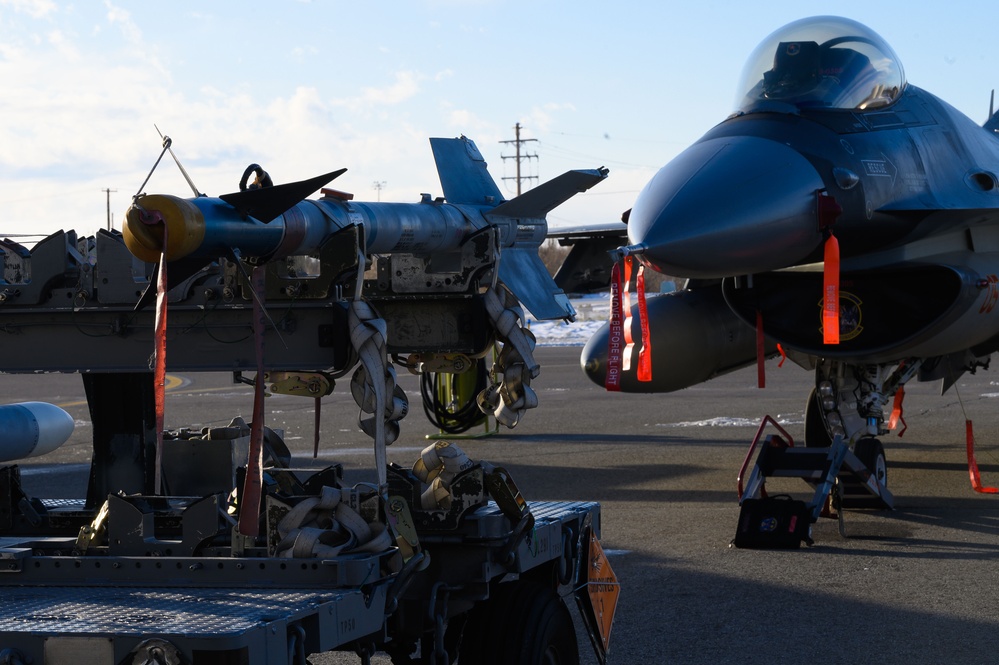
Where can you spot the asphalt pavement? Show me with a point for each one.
(914, 585)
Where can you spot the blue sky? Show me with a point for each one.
(308, 87)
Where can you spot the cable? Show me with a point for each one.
(466, 416)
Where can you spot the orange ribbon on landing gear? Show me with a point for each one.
(896, 412)
(976, 477)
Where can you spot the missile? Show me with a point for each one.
(278, 221)
(697, 337)
(31, 429)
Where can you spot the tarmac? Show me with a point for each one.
(913, 585)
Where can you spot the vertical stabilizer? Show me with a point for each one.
(992, 124)
(463, 174)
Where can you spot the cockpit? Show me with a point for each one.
(824, 62)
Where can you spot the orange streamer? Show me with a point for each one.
(645, 355)
(976, 477)
(896, 412)
(830, 292)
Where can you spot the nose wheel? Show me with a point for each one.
(872, 454)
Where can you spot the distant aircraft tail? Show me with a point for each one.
(992, 124)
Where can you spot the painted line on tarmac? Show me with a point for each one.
(39, 469)
(173, 383)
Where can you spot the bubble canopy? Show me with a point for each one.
(822, 62)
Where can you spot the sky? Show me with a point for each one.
(306, 87)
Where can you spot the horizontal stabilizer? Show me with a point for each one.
(463, 174)
(545, 197)
(268, 203)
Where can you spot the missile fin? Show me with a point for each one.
(268, 203)
(463, 174)
(539, 201)
(522, 270)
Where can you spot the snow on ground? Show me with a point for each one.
(592, 311)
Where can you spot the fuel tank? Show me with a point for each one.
(695, 337)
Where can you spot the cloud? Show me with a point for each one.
(540, 119)
(122, 19)
(405, 87)
(33, 8)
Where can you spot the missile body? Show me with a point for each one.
(207, 227)
(279, 221)
(31, 429)
(697, 337)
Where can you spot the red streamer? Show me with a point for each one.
(612, 380)
(645, 355)
(976, 477)
(896, 412)
(761, 351)
(830, 292)
(159, 368)
(629, 342)
(249, 498)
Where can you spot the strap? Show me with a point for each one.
(374, 385)
(159, 370)
(510, 394)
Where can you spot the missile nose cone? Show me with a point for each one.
(728, 206)
(31, 429)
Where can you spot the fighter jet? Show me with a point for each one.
(841, 213)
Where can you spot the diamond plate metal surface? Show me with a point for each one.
(193, 612)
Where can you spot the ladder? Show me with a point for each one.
(825, 469)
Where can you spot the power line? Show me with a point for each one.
(518, 157)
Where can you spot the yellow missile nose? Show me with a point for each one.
(183, 222)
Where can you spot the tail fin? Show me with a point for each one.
(992, 124)
(463, 174)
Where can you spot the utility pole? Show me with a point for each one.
(378, 185)
(518, 157)
(108, 191)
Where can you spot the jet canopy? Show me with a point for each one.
(821, 62)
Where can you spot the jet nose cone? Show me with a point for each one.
(728, 206)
